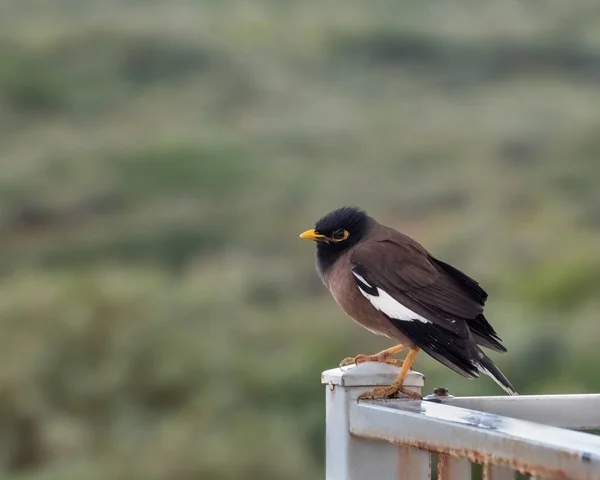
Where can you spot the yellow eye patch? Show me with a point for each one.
(339, 235)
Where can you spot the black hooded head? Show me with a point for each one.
(336, 232)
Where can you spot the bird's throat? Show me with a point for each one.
(325, 258)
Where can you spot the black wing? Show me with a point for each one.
(404, 282)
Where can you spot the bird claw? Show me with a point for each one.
(360, 358)
(390, 391)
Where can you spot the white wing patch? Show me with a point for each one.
(388, 305)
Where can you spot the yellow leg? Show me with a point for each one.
(396, 386)
(382, 357)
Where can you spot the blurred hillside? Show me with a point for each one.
(160, 317)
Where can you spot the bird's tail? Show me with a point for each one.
(486, 366)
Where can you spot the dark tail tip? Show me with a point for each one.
(487, 366)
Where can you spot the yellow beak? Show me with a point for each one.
(311, 235)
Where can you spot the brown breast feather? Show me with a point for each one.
(342, 285)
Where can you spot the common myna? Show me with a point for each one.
(391, 285)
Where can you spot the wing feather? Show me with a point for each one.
(434, 304)
(408, 274)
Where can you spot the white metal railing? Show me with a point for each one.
(394, 439)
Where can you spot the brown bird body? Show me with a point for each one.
(392, 286)
(342, 284)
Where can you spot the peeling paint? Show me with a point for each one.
(477, 457)
(487, 439)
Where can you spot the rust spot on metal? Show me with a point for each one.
(449, 467)
(486, 459)
(412, 466)
(488, 473)
(443, 466)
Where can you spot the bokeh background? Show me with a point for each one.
(161, 319)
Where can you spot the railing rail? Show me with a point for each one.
(394, 439)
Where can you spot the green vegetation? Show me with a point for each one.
(160, 317)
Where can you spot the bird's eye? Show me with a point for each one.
(340, 234)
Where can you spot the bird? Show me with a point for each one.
(390, 284)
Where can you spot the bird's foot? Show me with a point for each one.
(390, 391)
(381, 358)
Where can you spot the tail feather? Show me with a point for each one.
(484, 333)
(487, 366)
(458, 352)
(488, 342)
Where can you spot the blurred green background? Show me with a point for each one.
(160, 317)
